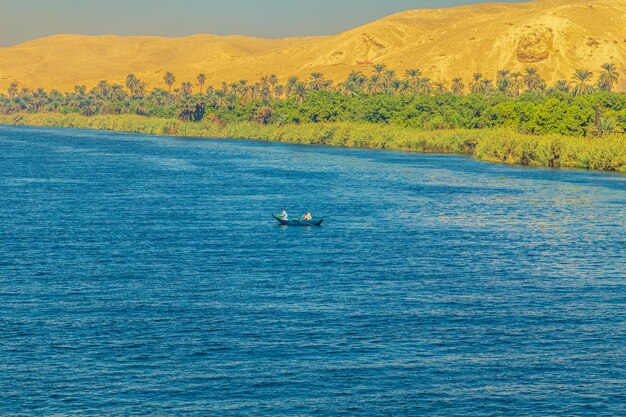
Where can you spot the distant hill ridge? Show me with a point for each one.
(555, 36)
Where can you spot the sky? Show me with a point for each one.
(22, 20)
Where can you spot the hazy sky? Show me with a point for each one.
(22, 20)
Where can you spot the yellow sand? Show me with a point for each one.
(556, 36)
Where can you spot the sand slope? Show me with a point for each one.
(556, 36)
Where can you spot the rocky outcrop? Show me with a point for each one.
(534, 45)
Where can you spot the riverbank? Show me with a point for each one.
(495, 145)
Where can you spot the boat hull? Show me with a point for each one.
(298, 222)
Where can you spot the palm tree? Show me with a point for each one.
(291, 86)
(388, 78)
(279, 90)
(266, 91)
(265, 88)
(316, 82)
(487, 85)
(543, 86)
(140, 88)
(605, 126)
(88, 108)
(264, 114)
(201, 80)
(358, 78)
(54, 101)
(254, 90)
(503, 80)
(398, 86)
(103, 87)
(186, 88)
(608, 77)
(299, 92)
(80, 90)
(476, 85)
(379, 69)
(190, 109)
(272, 81)
(242, 89)
(412, 75)
(219, 99)
(353, 84)
(117, 92)
(348, 88)
(562, 85)
(532, 79)
(39, 99)
(440, 88)
(131, 83)
(515, 84)
(458, 88)
(12, 90)
(159, 97)
(141, 109)
(375, 85)
(424, 85)
(581, 82)
(169, 79)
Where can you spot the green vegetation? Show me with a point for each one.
(496, 145)
(518, 118)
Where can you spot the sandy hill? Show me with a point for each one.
(556, 36)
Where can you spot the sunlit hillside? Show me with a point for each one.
(556, 36)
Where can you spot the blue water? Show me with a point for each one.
(143, 275)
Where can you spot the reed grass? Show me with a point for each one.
(495, 145)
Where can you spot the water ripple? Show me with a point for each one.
(144, 276)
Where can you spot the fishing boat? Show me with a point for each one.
(298, 222)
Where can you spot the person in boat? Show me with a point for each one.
(284, 215)
(307, 216)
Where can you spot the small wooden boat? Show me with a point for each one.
(298, 222)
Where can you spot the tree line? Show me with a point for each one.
(583, 105)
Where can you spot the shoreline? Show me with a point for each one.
(490, 145)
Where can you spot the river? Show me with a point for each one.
(145, 275)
